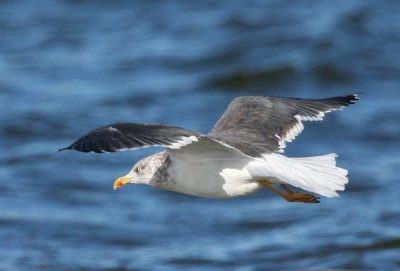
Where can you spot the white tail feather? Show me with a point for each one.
(317, 174)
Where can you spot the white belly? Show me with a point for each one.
(218, 178)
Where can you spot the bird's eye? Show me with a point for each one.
(139, 169)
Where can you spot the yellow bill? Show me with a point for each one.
(121, 181)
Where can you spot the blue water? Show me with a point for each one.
(67, 67)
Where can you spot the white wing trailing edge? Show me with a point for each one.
(295, 127)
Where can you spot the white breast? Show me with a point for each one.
(221, 177)
(208, 168)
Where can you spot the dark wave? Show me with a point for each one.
(265, 77)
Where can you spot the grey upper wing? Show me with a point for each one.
(258, 124)
(130, 136)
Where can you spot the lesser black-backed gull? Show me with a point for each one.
(241, 154)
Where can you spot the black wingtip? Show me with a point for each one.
(355, 97)
(66, 148)
(345, 100)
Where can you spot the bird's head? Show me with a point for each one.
(142, 172)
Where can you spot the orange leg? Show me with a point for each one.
(290, 195)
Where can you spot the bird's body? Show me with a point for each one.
(238, 157)
(233, 181)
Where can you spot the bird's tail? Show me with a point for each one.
(318, 174)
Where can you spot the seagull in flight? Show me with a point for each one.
(242, 154)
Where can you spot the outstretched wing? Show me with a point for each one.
(258, 124)
(130, 136)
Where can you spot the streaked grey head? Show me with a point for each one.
(143, 171)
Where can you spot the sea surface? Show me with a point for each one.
(67, 67)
